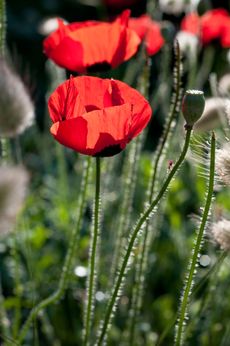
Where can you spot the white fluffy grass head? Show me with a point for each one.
(213, 116)
(224, 84)
(221, 233)
(188, 43)
(13, 186)
(16, 107)
(223, 163)
(176, 7)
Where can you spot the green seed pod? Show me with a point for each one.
(193, 106)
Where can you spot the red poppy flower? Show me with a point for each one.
(191, 23)
(225, 36)
(96, 116)
(214, 24)
(149, 31)
(91, 45)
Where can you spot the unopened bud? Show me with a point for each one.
(193, 106)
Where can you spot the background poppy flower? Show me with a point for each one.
(149, 31)
(91, 45)
(97, 116)
(214, 24)
(225, 36)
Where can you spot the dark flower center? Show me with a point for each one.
(99, 67)
(109, 151)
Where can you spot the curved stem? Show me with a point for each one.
(129, 184)
(68, 260)
(212, 271)
(198, 241)
(93, 258)
(147, 237)
(173, 111)
(132, 242)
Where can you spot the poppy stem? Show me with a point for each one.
(195, 252)
(159, 156)
(125, 210)
(92, 277)
(65, 274)
(132, 243)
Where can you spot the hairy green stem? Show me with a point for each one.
(198, 242)
(212, 271)
(132, 242)
(173, 111)
(93, 259)
(158, 158)
(62, 173)
(129, 180)
(65, 274)
(129, 175)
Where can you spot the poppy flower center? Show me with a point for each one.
(99, 67)
(111, 150)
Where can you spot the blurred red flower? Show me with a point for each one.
(95, 116)
(91, 45)
(149, 31)
(214, 24)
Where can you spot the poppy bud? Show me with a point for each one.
(193, 106)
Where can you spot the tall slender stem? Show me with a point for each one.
(147, 237)
(93, 259)
(198, 242)
(65, 274)
(132, 242)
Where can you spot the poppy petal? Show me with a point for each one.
(212, 24)
(131, 95)
(67, 54)
(225, 34)
(85, 133)
(70, 46)
(154, 39)
(97, 116)
(114, 121)
(140, 120)
(72, 134)
(65, 102)
(191, 23)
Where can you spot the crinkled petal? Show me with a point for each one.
(65, 102)
(72, 134)
(92, 132)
